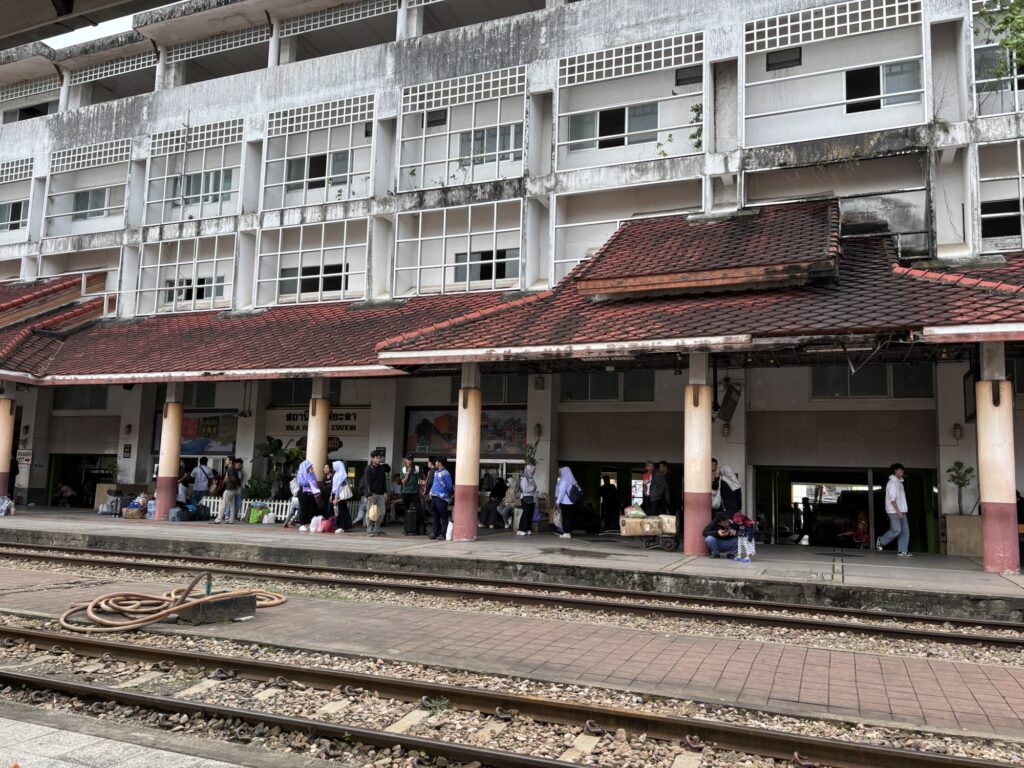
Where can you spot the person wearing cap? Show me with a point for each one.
(376, 480)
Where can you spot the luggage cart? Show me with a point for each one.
(652, 532)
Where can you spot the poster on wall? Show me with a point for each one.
(434, 431)
(203, 433)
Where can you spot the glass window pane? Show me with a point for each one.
(899, 77)
(575, 386)
(280, 392)
(870, 381)
(913, 381)
(638, 386)
(830, 381)
(583, 127)
(604, 386)
(643, 117)
(516, 385)
(492, 386)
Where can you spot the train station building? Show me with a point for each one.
(786, 235)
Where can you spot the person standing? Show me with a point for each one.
(232, 487)
(609, 501)
(440, 494)
(647, 477)
(659, 491)
(896, 509)
(309, 493)
(339, 497)
(240, 496)
(732, 494)
(410, 489)
(201, 477)
(716, 488)
(528, 496)
(567, 495)
(376, 480)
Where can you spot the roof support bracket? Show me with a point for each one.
(63, 7)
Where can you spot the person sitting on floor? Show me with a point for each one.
(858, 536)
(720, 537)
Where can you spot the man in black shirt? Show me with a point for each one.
(720, 537)
(376, 479)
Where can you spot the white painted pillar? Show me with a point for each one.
(467, 458)
(6, 441)
(997, 475)
(170, 451)
(65, 92)
(697, 456)
(319, 426)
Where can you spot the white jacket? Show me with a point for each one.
(895, 496)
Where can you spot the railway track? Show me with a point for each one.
(557, 596)
(504, 710)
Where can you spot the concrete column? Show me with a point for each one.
(161, 68)
(170, 452)
(410, 22)
(996, 462)
(467, 458)
(6, 441)
(274, 48)
(319, 426)
(697, 456)
(65, 92)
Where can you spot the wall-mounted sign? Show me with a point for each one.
(24, 455)
(294, 422)
(126, 451)
(203, 433)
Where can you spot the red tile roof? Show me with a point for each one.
(1008, 277)
(337, 338)
(774, 235)
(870, 296)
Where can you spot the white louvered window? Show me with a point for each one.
(313, 263)
(186, 275)
(86, 189)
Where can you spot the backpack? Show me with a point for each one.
(575, 494)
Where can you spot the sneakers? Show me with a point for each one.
(745, 560)
(903, 554)
(878, 544)
(565, 535)
(303, 527)
(738, 559)
(529, 533)
(520, 533)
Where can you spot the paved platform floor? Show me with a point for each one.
(885, 689)
(938, 574)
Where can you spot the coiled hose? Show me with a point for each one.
(136, 610)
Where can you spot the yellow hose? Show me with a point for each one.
(138, 610)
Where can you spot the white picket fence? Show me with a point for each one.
(278, 507)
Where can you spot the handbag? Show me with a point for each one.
(346, 492)
(537, 516)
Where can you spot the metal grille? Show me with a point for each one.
(332, 17)
(327, 115)
(652, 56)
(218, 43)
(464, 90)
(30, 87)
(91, 156)
(16, 170)
(197, 137)
(830, 22)
(113, 68)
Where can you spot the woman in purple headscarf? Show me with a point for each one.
(309, 492)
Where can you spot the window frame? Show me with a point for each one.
(621, 397)
(186, 275)
(783, 58)
(890, 393)
(180, 185)
(11, 224)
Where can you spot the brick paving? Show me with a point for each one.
(792, 679)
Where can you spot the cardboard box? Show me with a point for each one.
(640, 526)
(668, 524)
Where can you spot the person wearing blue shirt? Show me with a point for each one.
(440, 495)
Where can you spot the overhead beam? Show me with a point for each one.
(63, 7)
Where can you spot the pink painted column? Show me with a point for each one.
(6, 441)
(697, 457)
(996, 464)
(170, 453)
(467, 458)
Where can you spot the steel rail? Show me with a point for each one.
(559, 601)
(528, 585)
(754, 740)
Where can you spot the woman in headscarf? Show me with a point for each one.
(338, 482)
(309, 491)
(732, 496)
(528, 495)
(563, 498)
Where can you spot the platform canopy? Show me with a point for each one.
(28, 22)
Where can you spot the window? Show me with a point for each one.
(312, 172)
(90, 204)
(209, 187)
(92, 397)
(629, 387)
(901, 78)
(436, 118)
(898, 381)
(490, 144)
(689, 76)
(186, 290)
(784, 59)
(13, 215)
(296, 393)
(487, 265)
(199, 394)
(614, 127)
(186, 275)
(1000, 218)
(315, 262)
(497, 388)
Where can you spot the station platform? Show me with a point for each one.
(855, 578)
(945, 696)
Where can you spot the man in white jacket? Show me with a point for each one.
(896, 509)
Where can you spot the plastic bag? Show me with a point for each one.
(314, 524)
(373, 513)
(450, 534)
(635, 511)
(556, 519)
(257, 512)
(537, 517)
(6, 506)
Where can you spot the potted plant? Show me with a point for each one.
(961, 476)
(282, 459)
